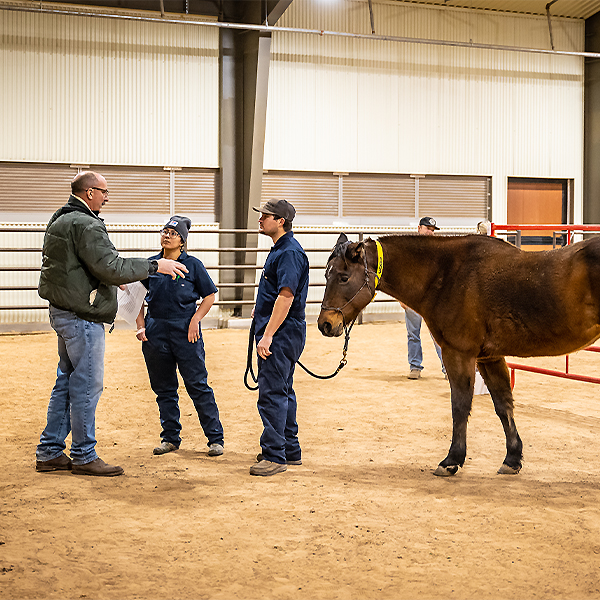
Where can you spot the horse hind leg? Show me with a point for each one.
(497, 378)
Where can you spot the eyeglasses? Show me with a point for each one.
(169, 233)
(105, 192)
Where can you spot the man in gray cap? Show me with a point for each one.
(427, 226)
(280, 333)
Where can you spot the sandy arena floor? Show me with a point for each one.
(363, 517)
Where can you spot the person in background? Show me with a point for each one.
(80, 269)
(171, 338)
(280, 333)
(483, 228)
(427, 226)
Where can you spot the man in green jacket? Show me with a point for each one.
(80, 271)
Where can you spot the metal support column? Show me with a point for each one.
(591, 173)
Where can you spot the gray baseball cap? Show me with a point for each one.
(278, 208)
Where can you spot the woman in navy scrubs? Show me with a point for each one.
(171, 338)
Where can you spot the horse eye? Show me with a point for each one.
(344, 278)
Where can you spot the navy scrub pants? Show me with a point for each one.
(166, 350)
(276, 397)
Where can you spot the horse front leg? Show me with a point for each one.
(461, 373)
(497, 378)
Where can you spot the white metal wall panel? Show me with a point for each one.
(105, 91)
(353, 105)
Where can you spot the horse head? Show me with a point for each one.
(348, 286)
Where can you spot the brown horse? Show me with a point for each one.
(482, 299)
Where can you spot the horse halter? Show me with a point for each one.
(366, 283)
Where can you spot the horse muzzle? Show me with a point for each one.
(331, 323)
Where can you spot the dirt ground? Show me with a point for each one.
(363, 517)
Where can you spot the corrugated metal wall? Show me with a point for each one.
(340, 104)
(103, 91)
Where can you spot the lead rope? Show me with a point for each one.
(347, 330)
(250, 368)
(343, 362)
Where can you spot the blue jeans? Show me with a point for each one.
(415, 351)
(79, 380)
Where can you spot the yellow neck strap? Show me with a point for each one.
(379, 263)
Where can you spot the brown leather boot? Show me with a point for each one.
(97, 467)
(60, 463)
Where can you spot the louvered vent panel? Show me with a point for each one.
(454, 197)
(311, 194)
(34, 188)
(195, 192)
(378, 196)
(136, 189)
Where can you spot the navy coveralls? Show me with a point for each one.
(286, 266)
(171, 305)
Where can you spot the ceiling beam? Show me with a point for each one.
(276, 11)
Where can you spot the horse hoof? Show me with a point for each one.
(446, 471)
(506, 470)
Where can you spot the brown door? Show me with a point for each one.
(532, 201)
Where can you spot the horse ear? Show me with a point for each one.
(341, 240)
(355, 252)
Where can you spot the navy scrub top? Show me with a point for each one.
(286, 266)
(170, 298)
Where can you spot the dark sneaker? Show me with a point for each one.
(60, 463)
(165, 447)
(414, 374)
(98, 468)
(259, 457)
(266, 468)
(215, 450)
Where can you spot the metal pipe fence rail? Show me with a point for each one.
(228, 267)
(567, 232)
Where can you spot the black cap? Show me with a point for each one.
(279, 208)
(181, 225)
(428, 222)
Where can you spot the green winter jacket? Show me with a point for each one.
(78, 258)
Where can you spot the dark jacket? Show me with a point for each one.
(78, 258)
